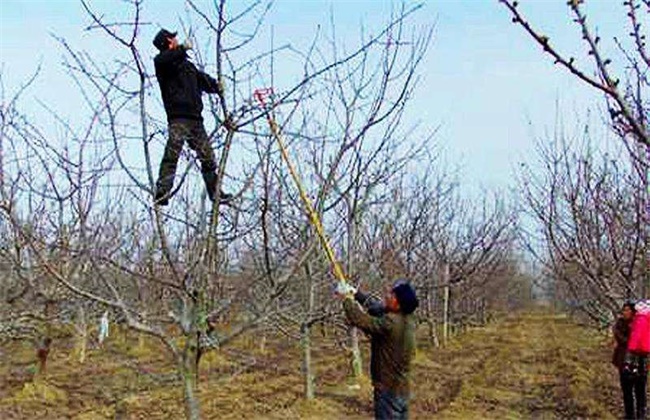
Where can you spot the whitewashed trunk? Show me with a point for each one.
(305, 338)
(446, 306)
(188, 367)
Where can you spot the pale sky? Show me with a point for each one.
(484, 82)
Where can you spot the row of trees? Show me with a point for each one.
(80, 236)
(591, 209)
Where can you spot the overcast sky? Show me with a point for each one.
(486, 84)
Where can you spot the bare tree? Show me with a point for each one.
(349, 125)
(588, 208)
(621, 75)
(625, 94)
(80, 204)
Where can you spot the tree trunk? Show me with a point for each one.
(433, 334)
(141, 342)
(188, 364)
(83, 340)
(263, 343)
(305, 336)
(357, 362)
(431, 319)
(82, 335)
(445, 308)
(305, 341)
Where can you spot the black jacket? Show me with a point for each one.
(621, 336)
(181, 84)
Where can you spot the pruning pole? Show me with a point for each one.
(313, 216)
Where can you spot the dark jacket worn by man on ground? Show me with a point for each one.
(181, 85)
(392, 336)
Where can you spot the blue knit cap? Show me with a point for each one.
(405, 294)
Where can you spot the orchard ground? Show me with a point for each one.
(536, 364)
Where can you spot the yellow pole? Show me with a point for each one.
(313, 216)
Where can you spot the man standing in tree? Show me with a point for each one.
(391, 327)
(181, 85)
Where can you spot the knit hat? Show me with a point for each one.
(405, 294)
(161, 41)
(642, 307)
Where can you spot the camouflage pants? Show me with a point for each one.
(180, 131)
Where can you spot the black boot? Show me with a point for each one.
(224, 197)
(161, 199)
(210, 179)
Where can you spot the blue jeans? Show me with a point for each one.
(389, 406)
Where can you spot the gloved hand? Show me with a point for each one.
(345, 289)
(187, 45)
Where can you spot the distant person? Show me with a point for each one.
(181, 85)
(632, 367)
(42, 353)
(391, 327)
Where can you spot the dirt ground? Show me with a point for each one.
(535, 365)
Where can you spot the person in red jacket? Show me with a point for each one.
(632, 368)
(181, 86)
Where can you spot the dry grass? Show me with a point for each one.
(535, 365)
